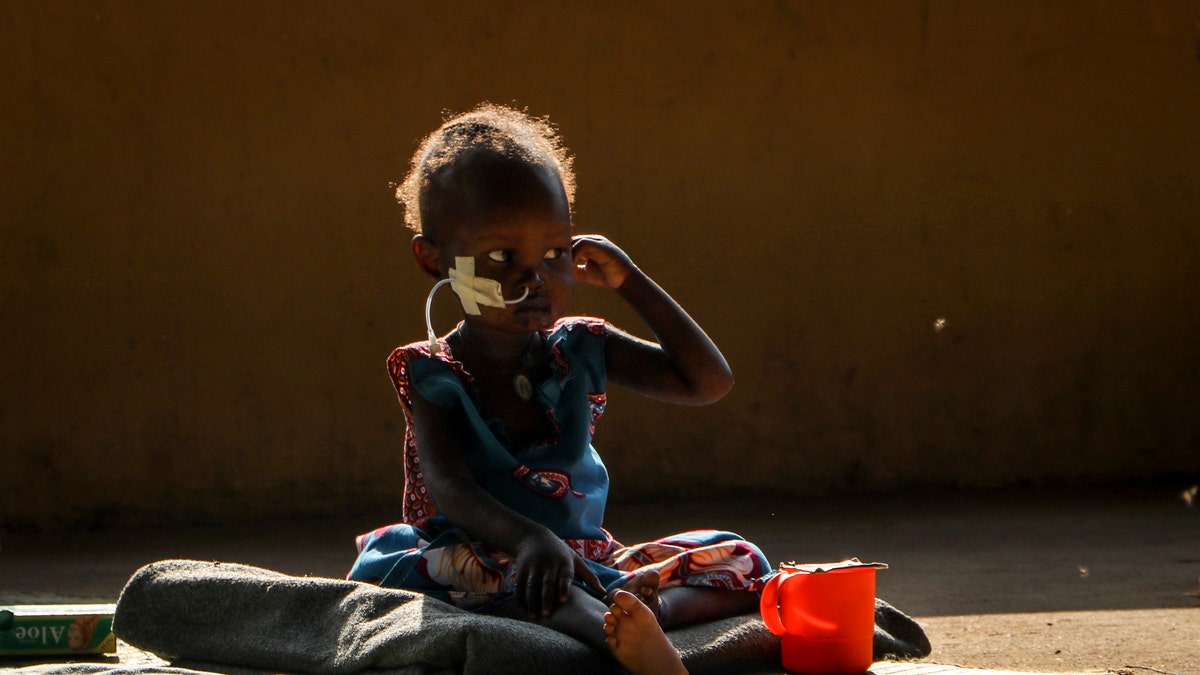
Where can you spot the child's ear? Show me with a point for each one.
(426, 252)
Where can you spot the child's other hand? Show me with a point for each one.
(545, 570)
(600, 262)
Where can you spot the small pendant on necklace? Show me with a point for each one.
(523, 386)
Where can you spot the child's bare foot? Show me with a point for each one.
(636, 639)
(643, 586)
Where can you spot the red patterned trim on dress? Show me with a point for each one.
(598, 550)
(398, 366)
(417, 507)
(598, 400)
(594, 325)
(546, 482)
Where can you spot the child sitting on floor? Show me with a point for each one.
(504, 495)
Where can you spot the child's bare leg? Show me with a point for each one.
(581, 617)
(682, 605)
(637, 640)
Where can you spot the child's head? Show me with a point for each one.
(492, 189)
(449, 163)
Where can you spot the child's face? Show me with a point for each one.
(522, 240)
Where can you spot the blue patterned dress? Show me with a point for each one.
(560, 482)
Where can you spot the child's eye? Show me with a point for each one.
(555, 253)
(499, 255)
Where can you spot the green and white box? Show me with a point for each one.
(32, 630)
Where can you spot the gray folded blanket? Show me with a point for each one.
(232, 618)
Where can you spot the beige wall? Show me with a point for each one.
(202, 270)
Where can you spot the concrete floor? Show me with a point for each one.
(1071, 580)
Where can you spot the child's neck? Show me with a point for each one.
(493, 345)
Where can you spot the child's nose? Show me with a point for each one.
(532, 278)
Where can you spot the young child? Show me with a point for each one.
(504, 495)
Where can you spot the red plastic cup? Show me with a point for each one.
(826, 618)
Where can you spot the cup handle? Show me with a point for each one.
(768, 605)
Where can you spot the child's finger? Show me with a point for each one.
(531, 594)
(564, 588)
(587, 576)
(549, 595)
(519, 586)
(586, 248)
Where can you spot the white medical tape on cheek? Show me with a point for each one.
(471, 290)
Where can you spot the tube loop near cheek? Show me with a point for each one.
(434, 347)
(520, 299)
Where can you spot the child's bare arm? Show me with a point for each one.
(545, 566)
(684, 366)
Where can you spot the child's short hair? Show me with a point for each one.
(507, 132)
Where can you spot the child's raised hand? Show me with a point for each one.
(600, 262)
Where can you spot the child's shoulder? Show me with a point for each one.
(591, 324)
(400, 358)
(564, 328)
(579, 341)
(419, 349)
